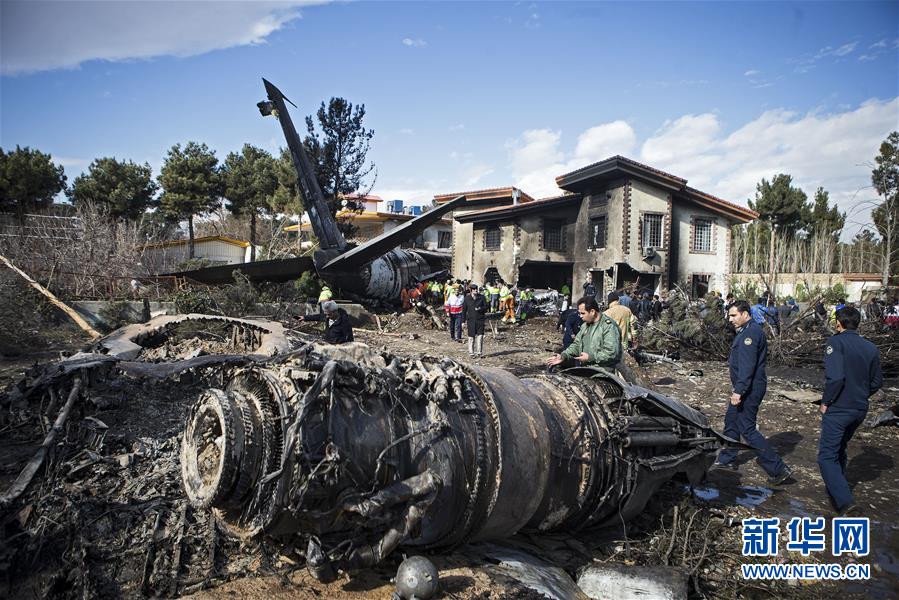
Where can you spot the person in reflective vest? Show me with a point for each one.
(506, 303)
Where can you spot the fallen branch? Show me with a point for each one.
(56, 301)
(27, 474)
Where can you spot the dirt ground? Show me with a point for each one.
(117, 524)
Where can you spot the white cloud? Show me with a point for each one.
(406, 131)
(604, 141)
(828, 149)
(56, 34)
(880, 44)
(457, 127)
(536, 158)
(752, 72)
(475, 173)
(817, 149)
(416, 43)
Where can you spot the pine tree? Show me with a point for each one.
(29, 180)
(250, 181)
(126, 189)
(338, 153)
(191, 184)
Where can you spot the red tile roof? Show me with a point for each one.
(474, 194)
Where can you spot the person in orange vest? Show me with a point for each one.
(506, 303)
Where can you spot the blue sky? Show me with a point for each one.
(471, 95)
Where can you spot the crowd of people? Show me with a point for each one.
(598, 332)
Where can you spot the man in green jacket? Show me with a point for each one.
(598, 341)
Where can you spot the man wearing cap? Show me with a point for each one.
(338, 329)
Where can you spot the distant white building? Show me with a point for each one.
(379, 217)
(166, 257)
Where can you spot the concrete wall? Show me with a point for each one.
(599, 258)
(857, 288)
(688, 262)
(92, 310)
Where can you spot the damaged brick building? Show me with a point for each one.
(624, 222)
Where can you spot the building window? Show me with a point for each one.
(652, 230)
(599, 200)
(702, 235)
(598, 232)
(444, 239)
(699, 285)
(492, 238)
(552, 235)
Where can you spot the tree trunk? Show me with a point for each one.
(888, 250)
(190, 235)
(253, 236)
(772, 271)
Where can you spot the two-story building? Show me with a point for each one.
(623, 222)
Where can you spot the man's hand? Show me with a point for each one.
(735, 399)
(583, 357)
(556, 359)
(823, 408)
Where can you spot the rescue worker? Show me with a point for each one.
(491, 291)
(626, 322)
(338, 329)
(325, 294)
(597, 343)
(453, 309)
(589, 288)
(748, 356)
(525, 301)
(623, 317)
(474, 307)
(852, 374)
(506, 303)
(566, 291)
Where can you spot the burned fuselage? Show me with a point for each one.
(359, 452)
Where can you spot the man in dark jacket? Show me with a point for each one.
(474, 307)
(338, 329)
(852, 374)
(748, 355)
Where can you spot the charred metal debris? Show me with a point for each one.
(349, 453)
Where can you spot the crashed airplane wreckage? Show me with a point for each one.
(379, 268)
(358, 452)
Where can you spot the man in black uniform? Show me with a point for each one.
(474, 309)
(852, 374)
(748, 355)
(338, 329)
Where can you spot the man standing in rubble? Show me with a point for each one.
(597, 343)
(453, 308)
(474, 307)
(852, 375)
(338, 329)
(748, 356)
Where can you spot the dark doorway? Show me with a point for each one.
(635, 281)
(599, 282)
(699, 285)
(542, 275)
(491, 275)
